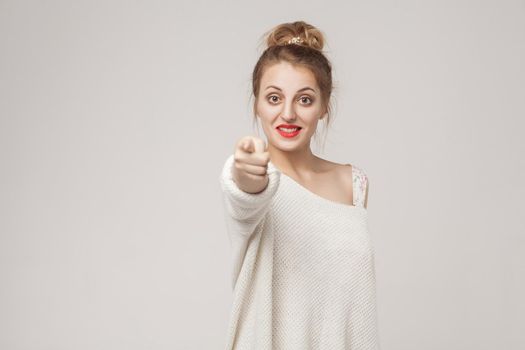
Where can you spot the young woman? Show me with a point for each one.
(303, 262)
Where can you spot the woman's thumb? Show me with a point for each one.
(248, 145)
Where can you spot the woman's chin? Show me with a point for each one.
(287, 146)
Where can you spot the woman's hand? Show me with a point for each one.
(250, 165)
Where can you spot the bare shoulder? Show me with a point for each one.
(352, 178)
(340, 174)
(332, 168)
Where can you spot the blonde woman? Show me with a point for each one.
(303, 262)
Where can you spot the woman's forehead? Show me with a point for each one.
(288, 77)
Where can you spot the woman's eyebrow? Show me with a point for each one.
(303, 89)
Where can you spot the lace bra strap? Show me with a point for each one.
(360, 183)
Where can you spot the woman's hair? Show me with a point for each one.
(306, 53)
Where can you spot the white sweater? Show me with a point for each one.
(303, 267)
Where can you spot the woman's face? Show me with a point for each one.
(288, 95)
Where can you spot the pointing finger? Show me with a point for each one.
(259, 145)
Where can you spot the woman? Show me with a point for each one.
(303, 262)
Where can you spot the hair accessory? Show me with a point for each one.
(295, 40)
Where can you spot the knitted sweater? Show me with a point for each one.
(303, 267)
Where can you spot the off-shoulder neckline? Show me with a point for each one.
(321, 198)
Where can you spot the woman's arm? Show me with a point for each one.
(244, 211)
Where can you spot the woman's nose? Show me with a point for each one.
(288, 112)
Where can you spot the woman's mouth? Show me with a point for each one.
(288, 132)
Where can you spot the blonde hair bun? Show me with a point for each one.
(298, 32)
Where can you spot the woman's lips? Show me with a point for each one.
(289, 134)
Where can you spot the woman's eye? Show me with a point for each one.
(307, 98)
(272, 98)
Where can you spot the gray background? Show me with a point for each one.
(116, 119)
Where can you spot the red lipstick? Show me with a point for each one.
(288, 130)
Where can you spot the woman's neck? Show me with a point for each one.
(297, 162)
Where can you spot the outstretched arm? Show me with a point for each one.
(244, 210)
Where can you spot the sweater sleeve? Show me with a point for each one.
(245, 209)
